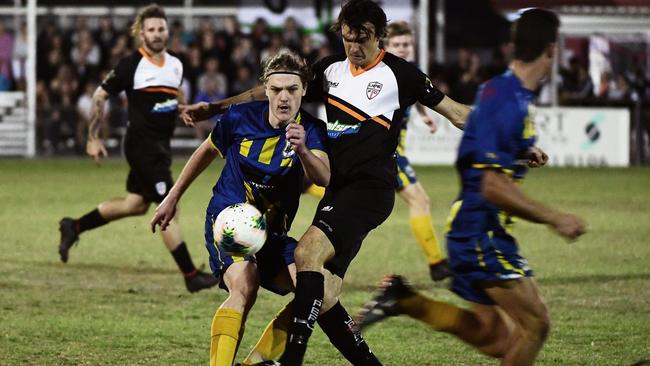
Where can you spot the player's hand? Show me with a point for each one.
(96, 150)
(295, 134)
(192, 113)
(569, 226)
(536, 157)
(164, 214)
(429, 122)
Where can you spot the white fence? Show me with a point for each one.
(571, 137)
(15, 137)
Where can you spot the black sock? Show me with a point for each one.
(345, 336)
(89, 221)
(183, 260)
(306, 307)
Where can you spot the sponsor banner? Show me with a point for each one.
(570, 136)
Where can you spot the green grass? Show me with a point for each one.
(121, 301)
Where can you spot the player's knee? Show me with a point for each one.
(243, 294)
(308, 257)
(136, 206)
(537, 326)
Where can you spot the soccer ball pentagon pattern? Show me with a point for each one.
(240, 230)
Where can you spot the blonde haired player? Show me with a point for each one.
(399, 41)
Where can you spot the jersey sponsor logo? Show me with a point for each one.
(169, 105)
(161, 188)
(336, 129)
(373, 89)
(332, 84)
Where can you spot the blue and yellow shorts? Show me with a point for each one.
(405, 173)
(272, 260)
(484, 258)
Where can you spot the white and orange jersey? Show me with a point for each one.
(152, 91)
(365, 110)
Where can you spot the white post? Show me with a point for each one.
(30, 71)
(440, 31)
(423, 36)
(187, 18)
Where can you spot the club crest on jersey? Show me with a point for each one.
(373, 89)
(287, 152)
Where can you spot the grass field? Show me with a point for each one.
(121, 301)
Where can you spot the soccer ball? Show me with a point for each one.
(240, 230)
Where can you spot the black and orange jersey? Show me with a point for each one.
(365, 110)
(152, 92)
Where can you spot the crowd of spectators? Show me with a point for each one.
(220, 59)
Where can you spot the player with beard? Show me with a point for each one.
(151, 78)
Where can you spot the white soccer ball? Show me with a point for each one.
(240, 230)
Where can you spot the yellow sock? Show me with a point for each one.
(425, 235)
(272, 342)
(316, 191)
(439, 315)
(225, 337)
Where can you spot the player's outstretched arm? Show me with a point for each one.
(203, 111)
(455, 112)
(499, 189)
(200, 159)
(95, 147)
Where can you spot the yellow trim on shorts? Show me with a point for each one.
(453, 212)
(496, 166)
(507, 265)
(403, 178)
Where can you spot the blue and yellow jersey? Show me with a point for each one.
(498, 133)
(261, 167)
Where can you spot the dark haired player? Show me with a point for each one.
(508, 318)
(151, 78)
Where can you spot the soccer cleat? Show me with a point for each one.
(385, 303)
(439, 271)
(199, 281)
(69, 236)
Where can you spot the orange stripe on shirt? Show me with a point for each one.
(160, 89)
(355, 114)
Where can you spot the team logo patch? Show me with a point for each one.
(161, 188)
(287, 152)
(373, 89)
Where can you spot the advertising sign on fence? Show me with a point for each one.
(571, 137)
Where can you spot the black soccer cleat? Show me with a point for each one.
(385, 303)
(69, 236)
(200, 281)
(439, 271)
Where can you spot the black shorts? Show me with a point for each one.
(346, 215)
(150, 175)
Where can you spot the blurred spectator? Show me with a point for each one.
(292, 35)
(576, 83)
(465, 87)
(105, 37)
(620, 90)
(244, 80)
(6, 51)
(178, 30)
(261, 34)
(213, 74)
(84, 110)
(209, 93)
(20, 57)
